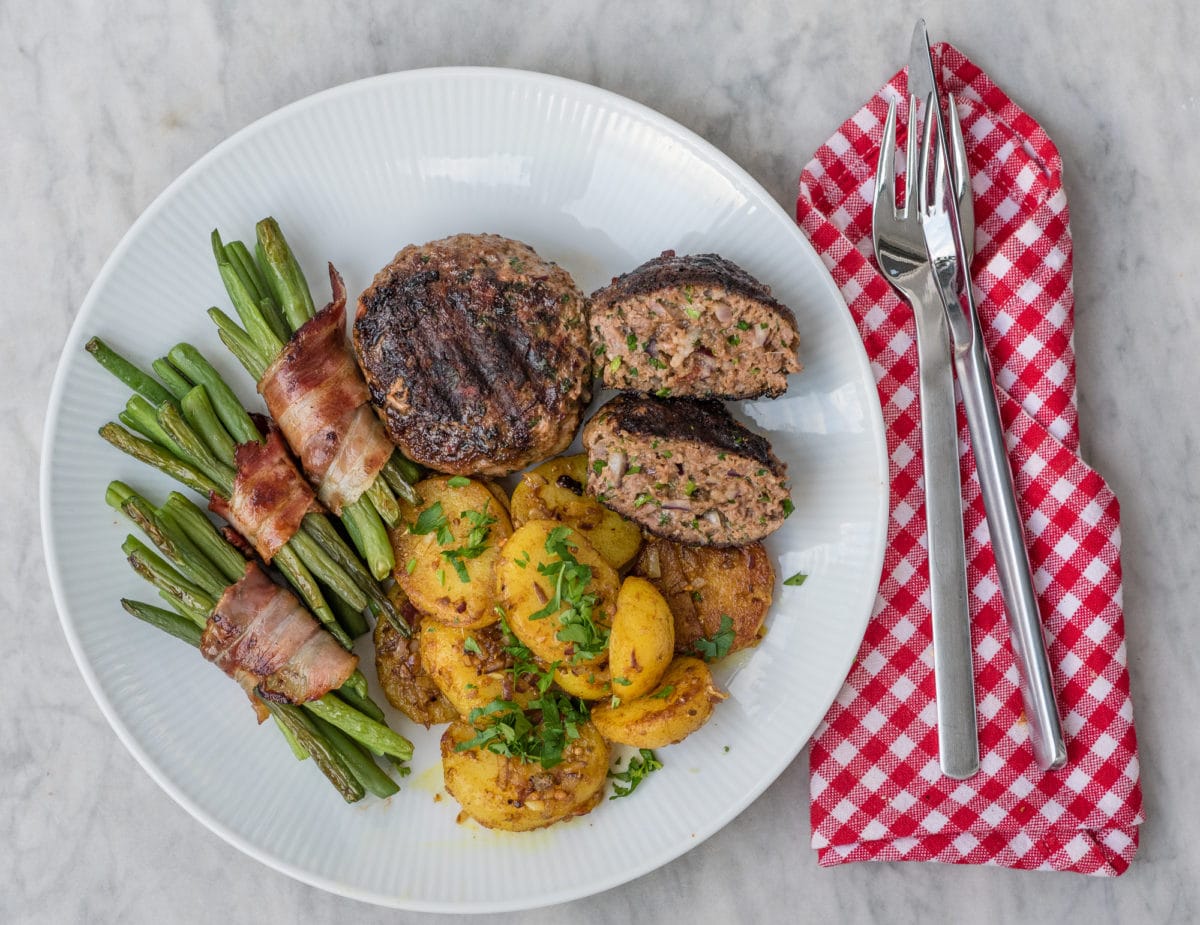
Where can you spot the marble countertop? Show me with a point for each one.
(105, 106)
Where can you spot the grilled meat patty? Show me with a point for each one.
(685, 470)
(476, 354)
(696, 326)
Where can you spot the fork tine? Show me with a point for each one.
(958, 153)
(911, 153)
(885, 173)
(962, 182)
(928, 149)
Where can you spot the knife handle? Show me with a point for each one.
(1008, 544)
(953, 668)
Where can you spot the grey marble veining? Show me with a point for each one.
(104, 104)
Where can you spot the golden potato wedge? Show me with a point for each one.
(433, 538)
(505, 793)
(642, 640)
(555, 491)
(526, 593)
(682, 704)
(499, 493)
(701, 584)
(587, 682)
(406, 683)
(468, 678)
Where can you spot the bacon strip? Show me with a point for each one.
(261, 636)
(269, 498)
(315, 391)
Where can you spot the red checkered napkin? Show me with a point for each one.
(877, 791)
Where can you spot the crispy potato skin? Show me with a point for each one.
(403, 677)
(702, 583)
(468, 680)
(433, 583)
(652, 722)
(523, 590)
(642, 639)
(555, 491)
(504, 793)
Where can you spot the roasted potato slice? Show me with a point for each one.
(587, 682)
(471, 667)
(642, 640)
(499, 493)
(682, 704)
(701, 584)
(447, 547)
(555, 491)
(402, 674)
(505, 793)
(526, 592)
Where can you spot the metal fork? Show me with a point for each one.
(900, 249)
(949, 238)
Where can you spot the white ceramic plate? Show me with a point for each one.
(599, 184)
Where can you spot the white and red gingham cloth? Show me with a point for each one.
(877, 791)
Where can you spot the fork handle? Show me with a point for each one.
(1008, 544)
(954, 676)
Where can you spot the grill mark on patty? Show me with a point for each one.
(473, 367)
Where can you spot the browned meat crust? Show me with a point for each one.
(476, 354)
(696, 326)
(685, 470)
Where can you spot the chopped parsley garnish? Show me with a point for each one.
(634, 469)
(664, 392)
(733, 340)
(796, 580)
(641, 499)
(481, 528)
(688, 293)
(577, 605)
(692, 312)
(459, 481)
(718, 646)
(472, 647)
(433, 520)
(664, 693)
(614, 364)
(410, 565)
(541, 730)
(599, 465)
(623, 681)
(657, 363)
(690, 488)
(524, 560)
(743, 326)
(631, 342)
(516, 264)
(788, 507)
(640, 766)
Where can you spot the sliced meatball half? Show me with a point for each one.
(696, 326)
(685, 470)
